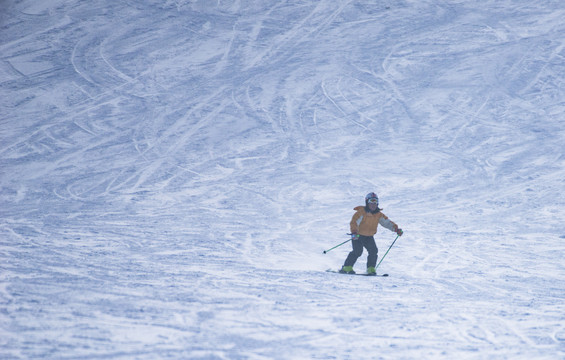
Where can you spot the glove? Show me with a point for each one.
(398, 230)
(354, 236)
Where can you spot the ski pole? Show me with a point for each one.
(386, 252)
(325, 251)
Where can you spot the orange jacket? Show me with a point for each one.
(365, 223)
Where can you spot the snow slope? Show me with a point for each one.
(171, 172)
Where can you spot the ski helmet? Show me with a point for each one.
(372, 197)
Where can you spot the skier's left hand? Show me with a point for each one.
(398, 231)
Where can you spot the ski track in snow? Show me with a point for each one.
(172, 171)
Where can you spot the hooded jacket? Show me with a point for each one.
(365, 223)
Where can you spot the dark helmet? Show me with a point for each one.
(371, 197)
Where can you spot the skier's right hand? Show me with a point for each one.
(354, 236)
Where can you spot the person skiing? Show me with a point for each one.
(363, 227)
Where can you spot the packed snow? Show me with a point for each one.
(172, 171)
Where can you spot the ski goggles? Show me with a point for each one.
(373, 200)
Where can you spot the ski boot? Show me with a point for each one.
(347, 270)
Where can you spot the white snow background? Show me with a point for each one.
(171, 171)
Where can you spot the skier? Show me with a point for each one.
(363, 226)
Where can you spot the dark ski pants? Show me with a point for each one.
(367, 242)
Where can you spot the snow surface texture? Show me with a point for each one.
(171, 172)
